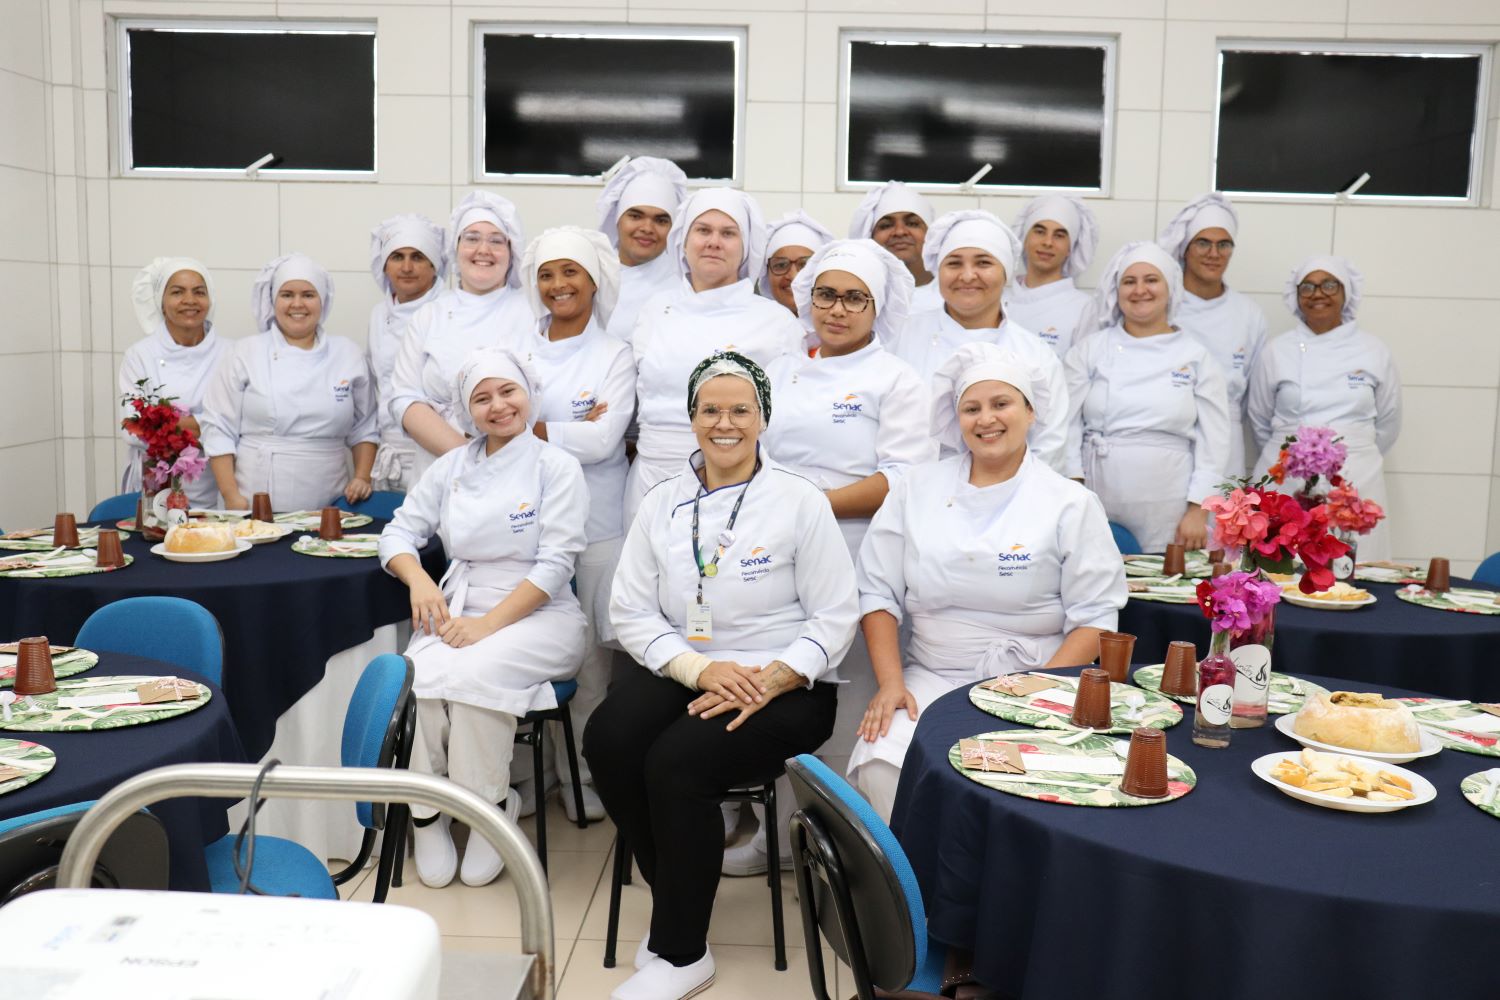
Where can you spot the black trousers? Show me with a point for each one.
(662, 774)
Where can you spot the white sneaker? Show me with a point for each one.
(660, 980)
(731, 812)
(593, 807)
(482, 863)
(527, 789)
(749, 858)
(643, 953)
(437, 858)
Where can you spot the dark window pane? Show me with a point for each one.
(573, 106)
(1311, 123)
(937, 113)
(225, 99)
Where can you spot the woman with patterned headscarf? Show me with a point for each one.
(736, 594)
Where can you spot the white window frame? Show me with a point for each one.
(1109, 43)
(738, 34)
(267, 26)
(1406, 49)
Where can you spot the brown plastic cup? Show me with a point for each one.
(260, 507)
(1215, 555)
(332, 527)
(1146, 766)
(1221, 568)
(1180, 675)
(65, 531)
(1115, 649)
(110, 553)
(34, 667)
(1091, 706)
(1437, 575)
(1174, 563)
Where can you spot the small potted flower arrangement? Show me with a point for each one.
(174, 456)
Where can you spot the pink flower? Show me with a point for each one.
(1236, 602)
(1349, 512)
(1314, 452)
(1238, 521)
(190, 464)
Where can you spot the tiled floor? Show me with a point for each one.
(578, 862)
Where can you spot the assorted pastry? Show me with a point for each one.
(1342, 778)
(1358, 721)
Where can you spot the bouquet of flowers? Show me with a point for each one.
(1236, 601)
(1349, 512)
(173, 453)
(1271, 529)
(1312, 453)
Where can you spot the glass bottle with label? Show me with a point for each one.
(1250, 651)
(1216, 675)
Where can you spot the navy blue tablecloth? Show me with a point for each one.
(90, 764)
(1235, 890)
(1389, 642)
(283, 615)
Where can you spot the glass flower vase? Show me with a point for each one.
(177, 503)
(1343, 566)
(146, 520)
(1250, 651)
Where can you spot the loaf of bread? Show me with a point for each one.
(198, 537)
(1358, 721)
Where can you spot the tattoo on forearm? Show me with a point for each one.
(779, 677)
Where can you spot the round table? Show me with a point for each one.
(283, 614)
(1235, 890)
(90, 764)
(1389, 642)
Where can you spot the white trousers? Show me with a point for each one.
(472, 746)
(877, 781)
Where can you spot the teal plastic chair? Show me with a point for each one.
(378, 731)
(380, 504)
(173, 629)
(1489, 571)
(115, 508)
(134, 857)
(857, 889)
(1124, 540)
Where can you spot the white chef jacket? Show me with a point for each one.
(516, 515)
(838, 420)
(388, 322)
(183, 372)
(576, 373)
(931, 337)
(441, 335)
(290, 417)
(1149, 431)
(1234, 330)
(992, 578)
(638, 285)
(1344, 379)
(785, 583)
(1059, 312)
(925, 297)
(674, 332)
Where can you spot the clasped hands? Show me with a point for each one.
(728, 686)
(429, 613)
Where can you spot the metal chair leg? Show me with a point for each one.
(773, 867)
(567, 728)
(618, 878)
(538, 750)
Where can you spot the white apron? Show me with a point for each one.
(389, 320)
(299, 473)
(1234, 330)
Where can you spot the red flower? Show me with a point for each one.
(1205, 595)
(1317, 547)
(1287, 521)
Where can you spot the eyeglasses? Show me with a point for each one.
(1202, 245)
(854, 300)
(740, 415)
(781, 265)
(473, 241)
(1328, 286)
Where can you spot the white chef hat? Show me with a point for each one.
(972, 363)
(971, 228)
(644, 180)
(1207, 211)
(289, 267)
(497, 362)
(1070, 212)
(407, 230)
(1135, 252)
(485, 206)
(892, 196)
(590, 250)
(151, 281)
(794, 229)
(889, 281)
(1341, 268)
(739, 206)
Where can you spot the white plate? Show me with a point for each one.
(281, 531)
(1294, 596)
(160, 549)
(1420, 786)
(1430, 744)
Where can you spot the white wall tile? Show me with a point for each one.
(1187, 151)
(26, 410)
(108, 465)
(411, 50)
(232, 316)
(177, 8)
(1417, 534)
(60, 35)
(104, 371)
(222, 223)
(1364, 234)
(1438, 342)
(1432, 12)
(21, 49)
(75, 477)
(774, 48)
(67, 105)
(23, 115)
(896, 6)
(413, 140)
(1082, 8)
(461, 158)
(68, 203)
(1119, 222)
(331, 222)
(1288, 15)
(92, 44)
(1492, 537)
(1272, 239)
(24, 225)
(819, 147)
(26, 290)
(99, 320)
(96, 133)
(70, 305)
(773, 146)
(73, 372)
(29, 501)
(543, 206)
(1137, 147)
(1444, 430)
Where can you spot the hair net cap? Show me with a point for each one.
(892, 196)
(497, 362)
(971, 228)
(1341, 268)
(1070, 212)
(794, 229)
(151, 283)
(643, 181)
(971, 364)
(289, 267)
(740, 207)
(485, 206)
(585, 247)
(1207, 211)
(1136, 252)
(408, 230)
(888, 279)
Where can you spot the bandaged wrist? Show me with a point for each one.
(684, 668)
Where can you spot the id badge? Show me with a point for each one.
(700, 622)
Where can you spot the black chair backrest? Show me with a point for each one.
(135, 857)
(877, 899)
